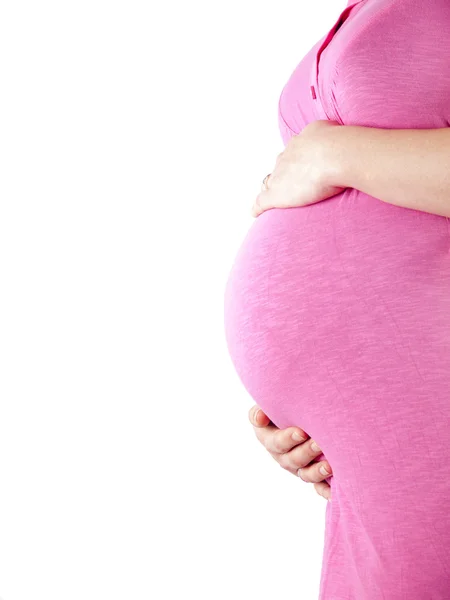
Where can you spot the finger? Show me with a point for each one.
(323, 489)
(254, 211)
(263, 434)
(257, 417)
(315, 472)
(264, 200)
(300, 456)
(279, 441)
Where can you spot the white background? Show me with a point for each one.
(134, 137)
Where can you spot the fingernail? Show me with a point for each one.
(315, 447)
(324, 471)
(297, 437)
(256, 415)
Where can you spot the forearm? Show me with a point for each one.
(406, 167)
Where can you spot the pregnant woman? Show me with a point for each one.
(337, 310)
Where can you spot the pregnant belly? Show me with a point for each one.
(322, 301)
(337, 318)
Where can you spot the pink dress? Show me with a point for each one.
(337, 315)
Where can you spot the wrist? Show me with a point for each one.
(342, 155)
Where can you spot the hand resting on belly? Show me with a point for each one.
(291, 448)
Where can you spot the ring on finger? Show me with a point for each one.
(264, 185)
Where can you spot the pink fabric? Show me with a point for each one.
(337, 315)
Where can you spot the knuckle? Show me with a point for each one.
(300, 458)
(274, 446)
(277, 443)
(284, 464)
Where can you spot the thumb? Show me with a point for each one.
(257, 417)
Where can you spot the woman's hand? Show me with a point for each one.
(291, 453)
(306, 171)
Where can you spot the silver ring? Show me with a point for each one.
(264, 183)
